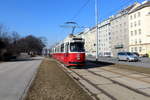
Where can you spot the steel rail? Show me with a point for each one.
(121, 84)
(102, 90)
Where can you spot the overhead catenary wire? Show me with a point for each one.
(76, 14)
(80, 9)
(118, 8)
(125, 2)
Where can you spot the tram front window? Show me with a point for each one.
(77, 47)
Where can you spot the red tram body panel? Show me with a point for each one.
(70, 51)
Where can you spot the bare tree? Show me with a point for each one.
(13, 44)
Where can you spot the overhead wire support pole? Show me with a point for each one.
(96, 21)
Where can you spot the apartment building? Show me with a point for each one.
(104, 38)
(139, 29)
(128, 30)
(120, 30)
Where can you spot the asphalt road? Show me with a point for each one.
(145, 62)
(15, 77)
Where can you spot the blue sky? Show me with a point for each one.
(44, 17)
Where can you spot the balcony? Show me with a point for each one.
(119, 46)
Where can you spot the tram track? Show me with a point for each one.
(127, 75)
(116, 82)
(118, 73)
(121, 84)
(67, 71)
(113, 97)
(101, 89)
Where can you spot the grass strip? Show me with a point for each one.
(51, 83)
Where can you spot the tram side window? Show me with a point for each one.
(55, 50)
(62, 48)
(66, 46)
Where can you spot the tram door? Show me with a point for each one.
(66, 53)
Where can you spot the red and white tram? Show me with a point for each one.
(70, 51)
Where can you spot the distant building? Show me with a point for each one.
(45, 51)
(139, 29)
(90, 40)
(104, 37)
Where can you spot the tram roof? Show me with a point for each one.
(70, 38)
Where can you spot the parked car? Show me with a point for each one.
(127, 56)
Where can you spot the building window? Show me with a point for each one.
(135, 41)
(135, 32)
(135, 49)
(139, 22)
(131, 17)
(132, 41)
(140, 49)
(134, 16)
(124, 23)
(139, 14)
(120, 25)
(135, 23)
(131, 49)
(139, 31)
(140, 41)
(131, 33)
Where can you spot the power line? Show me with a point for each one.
(79, 11)
(120, 7)
(76, 15)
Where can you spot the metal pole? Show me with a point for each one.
(73, 29)
(96, 21)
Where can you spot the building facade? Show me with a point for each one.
(104, 38)
(128, 30)
(120, 30)
(139, 29)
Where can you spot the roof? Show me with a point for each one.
(123, 11)
(147, 4)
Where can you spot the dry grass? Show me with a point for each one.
(51, 83)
